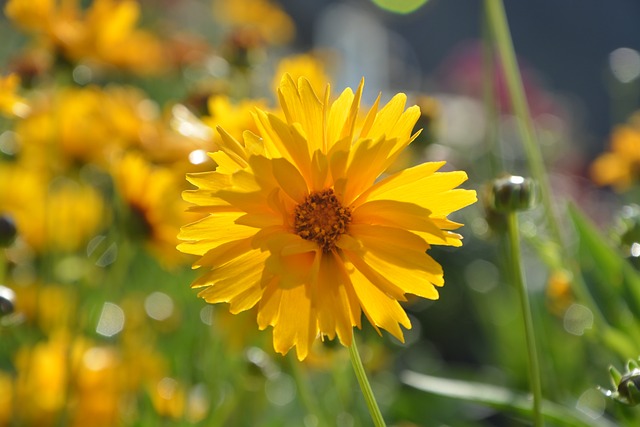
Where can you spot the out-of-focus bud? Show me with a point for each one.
(627, 233)
(7, 301)
(627, 385)
(512, 193)
(8, 231)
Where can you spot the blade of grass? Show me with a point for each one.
(500, 398)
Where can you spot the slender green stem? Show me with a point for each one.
(496, 16)
(498, 21)
(356, 361)
(518, 277)
(489, 99)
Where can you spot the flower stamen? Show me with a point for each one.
(322, 218)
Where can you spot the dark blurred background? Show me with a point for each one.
(566, 43)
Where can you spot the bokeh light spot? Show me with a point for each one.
(577, 319)
(280, 390)
(206, 315)
(158, 305)
(625, 64)
(591, 403)
(167, 388)
(111, 320)
(197, 157)
(481, 276)
(97, 358)
(402, 7)
(82, 75)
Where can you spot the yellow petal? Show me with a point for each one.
(231, 147)
(238, 278)
(392, 213)
(211, 232)
(400, 260)
(314, 116)
(382, 310)
(296, 325)
(366, 163)
(337, 118)
(224, 253)
(387, 117)
(378, 280)
(290, 180)
(337, 312)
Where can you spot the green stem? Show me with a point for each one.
(518, 277)
(489, 99)
(356, 361)
(494, 10)
(498, 20)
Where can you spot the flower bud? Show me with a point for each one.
(8, 231)
(512, 193)
(627, 385)
(7, 301)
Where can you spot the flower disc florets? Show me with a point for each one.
(322, 218)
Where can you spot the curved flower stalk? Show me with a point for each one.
(302, 223)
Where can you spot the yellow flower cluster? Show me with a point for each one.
(104, 33)
(298, 210)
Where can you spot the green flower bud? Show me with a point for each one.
(8, 231)
(627, 385)
(512, 193)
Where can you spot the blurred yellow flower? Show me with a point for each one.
(266, 18)
(304, 65)
(236, 118)
(97, 385)
(41, 383)
(11, 104)
(151, 193)
(6, 399)
(58, 216)
(74, 126)
(301, 224)
(619, 167)
(168, 397)
(104, 33)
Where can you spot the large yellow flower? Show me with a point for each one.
(302, 224)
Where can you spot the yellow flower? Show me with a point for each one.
(263, 17)
(58, 217)
(11, 104)
(151, 194)
(236, 118)
(619, 167)
(42, 378)
(303, 224)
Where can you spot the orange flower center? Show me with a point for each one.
(322, 219)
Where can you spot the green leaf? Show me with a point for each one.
(618, 283)
(500, 398)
